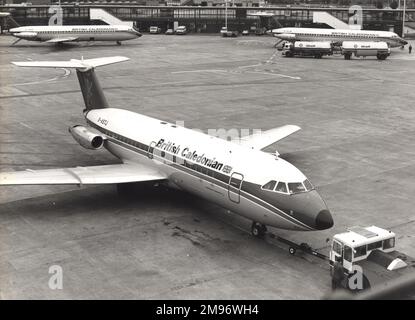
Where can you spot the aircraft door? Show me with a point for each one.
(348, 258)
(234, 187)
(150, 150)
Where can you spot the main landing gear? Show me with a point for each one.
(258, 230)
(119, 43)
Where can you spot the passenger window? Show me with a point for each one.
(347, 254)
(308, 185)
(296, 187)
(281, 187)
(270, 185)
(360, 251)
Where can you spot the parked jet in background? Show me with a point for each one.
(240, 177)
(61, 34)
(338, 35)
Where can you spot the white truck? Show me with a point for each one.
(315, 49)
(364, 49)
(369, 251)
(228, 33)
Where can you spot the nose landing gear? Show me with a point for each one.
(258, 230)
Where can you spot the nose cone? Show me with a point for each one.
(310, 209)
(324, 220)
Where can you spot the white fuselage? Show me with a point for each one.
(218, 170)
(76, 33)
(338, 35)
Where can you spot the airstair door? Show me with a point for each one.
(234, 187)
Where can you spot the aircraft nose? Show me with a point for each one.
(324, 220)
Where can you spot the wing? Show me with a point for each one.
(59, 40)
(115, 173)
(264, 139)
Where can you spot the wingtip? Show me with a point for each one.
(293, 126)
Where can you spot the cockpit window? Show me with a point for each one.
(269, 185)
(296, 187)
(281, 187)
(308, 185)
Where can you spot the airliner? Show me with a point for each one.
(62, 34)
(338, 35)
(239, 176)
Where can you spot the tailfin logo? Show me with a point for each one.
(57, 18)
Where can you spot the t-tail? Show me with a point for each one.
(92, 93)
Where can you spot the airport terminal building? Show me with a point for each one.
(208, 19)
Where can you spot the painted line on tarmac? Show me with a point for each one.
(242, 69)
(26, 125)
(236, 71)
(65, 75)
(251, 66)
(195, 71)
(275, 74)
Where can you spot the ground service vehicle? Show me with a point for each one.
(155, 30)
(181, 30)
(227, 33)
(364, 49)
(369, 251)
(307, 49)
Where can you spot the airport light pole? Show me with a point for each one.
(226, 14)
(403, 18)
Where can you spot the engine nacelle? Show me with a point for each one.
(87, 138)
(25, 35)
(285, 36)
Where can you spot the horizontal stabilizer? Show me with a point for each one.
(73, 63)
(107, 174)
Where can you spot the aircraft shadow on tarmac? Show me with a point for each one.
(105, 198)
(69, 45)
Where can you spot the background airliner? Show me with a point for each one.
(238, 176)
(61, 34)
(338, 35)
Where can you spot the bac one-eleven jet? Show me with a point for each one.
(239, 177)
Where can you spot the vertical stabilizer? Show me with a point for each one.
(94, 97)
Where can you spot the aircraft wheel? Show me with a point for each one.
(119, 43)
(292, 250)
(258, 230)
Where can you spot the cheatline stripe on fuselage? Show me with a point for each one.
(220, 183)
